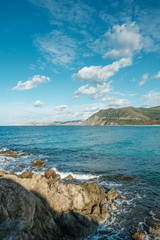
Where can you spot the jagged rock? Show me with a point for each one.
(73, 209)
(38, 163)
(19, 204)
(139, 236)
(26, 174)
(112, 195)
(8, 153)
(68, 178)
(50, 174)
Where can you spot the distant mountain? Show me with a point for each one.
(125, 116)
(57, 123)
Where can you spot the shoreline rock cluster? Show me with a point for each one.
(48, 208)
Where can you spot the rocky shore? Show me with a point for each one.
(36, 206)
(47, 207)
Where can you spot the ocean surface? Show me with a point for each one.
(124, 157)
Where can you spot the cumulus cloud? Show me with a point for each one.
(96, 92)
(157, 76)
(99, 74)
(31, 83)
(125, 40)
(144, 79)
(115, 102)
(38, 104)
(152, 99)
(61, 107)
(119, 41)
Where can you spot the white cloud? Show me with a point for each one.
(96, 92)
(38, 103)
(61, 107)
(144, 79)
(99, 74)
(157, 76)
(152, 99)
(31, 83)
(120, 41)
(57, 48)
(115, 102)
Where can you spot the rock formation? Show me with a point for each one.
(47, 208)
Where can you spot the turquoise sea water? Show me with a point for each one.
(125, 157)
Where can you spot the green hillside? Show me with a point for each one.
(125, 116)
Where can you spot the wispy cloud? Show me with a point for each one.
(144, 79)
(96, 92)
(31, 83)
(116, 102)
(57, 48)
(99, 74)
(38, 104)
(151, 99)
(71, 11)
(61, 107)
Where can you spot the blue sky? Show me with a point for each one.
(64, 60)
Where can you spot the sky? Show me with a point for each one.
(63, 60)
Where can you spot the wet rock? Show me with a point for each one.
(154, 230)
(139, 236)
(5, 159)
(112, 195)
(38, 163)
(124, 178)
(50, 174)
(22, 155)
(9, 153)
(20, 165)
(114, 207)
(68, 178)
(26, 174)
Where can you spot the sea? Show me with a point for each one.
(126, 158)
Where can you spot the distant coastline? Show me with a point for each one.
(128, 116)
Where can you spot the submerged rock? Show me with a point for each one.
(8, 153)
(139, 236)
(154, 230)
(38, 163)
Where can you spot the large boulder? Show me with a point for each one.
(23, 214)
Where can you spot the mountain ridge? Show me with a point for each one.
(125, 116)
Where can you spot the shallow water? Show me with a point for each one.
(126, 158)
